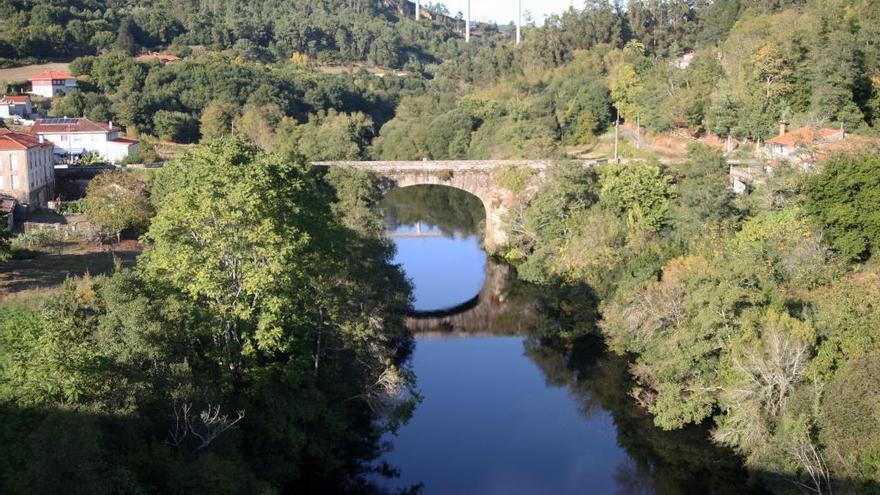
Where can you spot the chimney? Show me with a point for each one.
(783, 127)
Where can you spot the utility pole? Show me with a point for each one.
(639, 131)
(518, 20)
(616, 135)
(467, 23)
(418, 5)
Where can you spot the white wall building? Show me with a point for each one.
(51, 83)
(26, 169)
(75, 137)
(16, 106)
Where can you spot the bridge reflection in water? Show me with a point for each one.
(488, 313)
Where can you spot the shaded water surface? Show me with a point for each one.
(503, 412)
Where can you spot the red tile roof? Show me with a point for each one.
(68, 125)
(13, 99)
(803, 135)
(52, 74)
(13, 140)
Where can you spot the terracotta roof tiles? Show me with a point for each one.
(54, 125)
(13, 140)
(52, 74)
(15, 99)
(803, 135)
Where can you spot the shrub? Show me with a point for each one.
(513, 177)
(445, 175)
(76, 207)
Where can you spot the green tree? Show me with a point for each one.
(335, 136)
(704, 196)
(643, 192)
(178, 127)
(626, 86)
(124, 38)
(117, 200)
(842, 198)
(216, 120)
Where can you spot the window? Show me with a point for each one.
(13, 162)
(1, 182)
(15, 182)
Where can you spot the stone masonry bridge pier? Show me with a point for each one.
(478, 177)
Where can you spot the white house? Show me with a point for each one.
(16, 106)
(51, 83)
(74, 137)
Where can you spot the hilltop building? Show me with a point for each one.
(794, 144)
(51, 83)
(74, 137)
(27, 170)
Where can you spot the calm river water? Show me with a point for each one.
(504, 414)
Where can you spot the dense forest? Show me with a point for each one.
(808, 63)
(756, 315)
(382, 33)
(754, 64)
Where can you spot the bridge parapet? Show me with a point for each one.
(439, 165)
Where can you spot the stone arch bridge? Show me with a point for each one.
(478, 177)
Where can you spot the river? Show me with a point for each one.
(504, 413)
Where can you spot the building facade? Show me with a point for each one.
(16, 106)
(51, 83)
(75, 137)
(27, 170)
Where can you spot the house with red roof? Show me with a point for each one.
(797, 145)
(16, 106)
(75, 137)
(51, 83)
(27, 171)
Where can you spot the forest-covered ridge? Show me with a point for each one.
(382, 33)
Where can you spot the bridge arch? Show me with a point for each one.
(483, 196)
(473, 176)
(476, 316)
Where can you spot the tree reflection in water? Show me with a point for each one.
(657, 462)
(557, 323)
(454, 212)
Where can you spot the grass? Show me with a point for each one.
(26, 71)
(41, 270)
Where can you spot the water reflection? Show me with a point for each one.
(437, 233)
(506, 409)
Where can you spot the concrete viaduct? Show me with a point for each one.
(478, 177)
